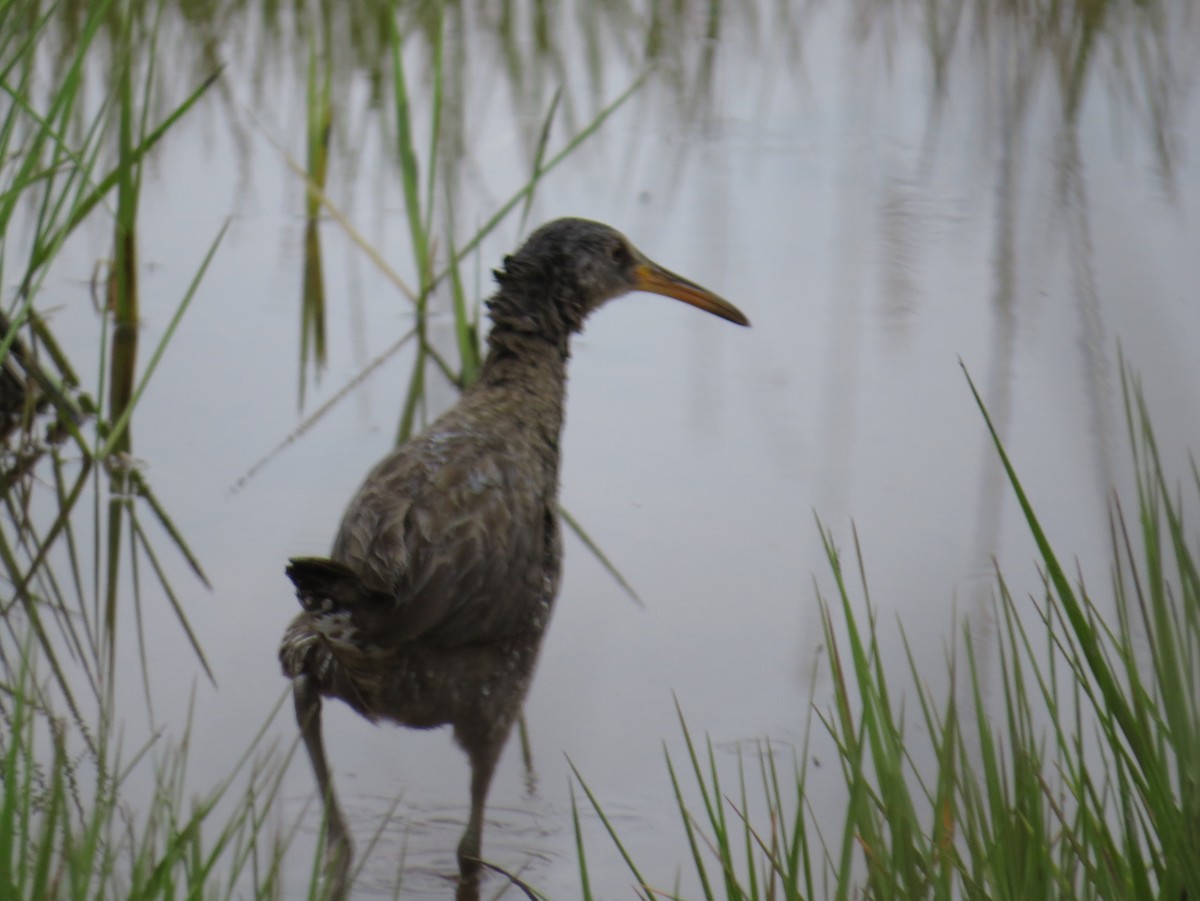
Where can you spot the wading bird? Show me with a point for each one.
(431, 607)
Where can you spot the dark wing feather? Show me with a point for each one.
(454, 529)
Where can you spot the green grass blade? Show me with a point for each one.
(1100, 671)
(118, 428)
(410, 173)
(612, 832)
(137, 154)
(610, 568)
(538, 157)
(580, 854)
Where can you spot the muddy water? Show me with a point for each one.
(888, 209)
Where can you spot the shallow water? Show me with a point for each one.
(885, 220)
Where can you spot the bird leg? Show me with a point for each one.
(338, 851)
(483, 758)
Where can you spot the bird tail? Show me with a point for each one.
(325, 641)
(323, 585)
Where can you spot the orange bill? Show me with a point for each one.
(653, 278)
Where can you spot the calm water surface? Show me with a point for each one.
(887, 208)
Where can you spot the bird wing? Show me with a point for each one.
(455, 530)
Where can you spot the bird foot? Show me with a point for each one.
(468, 889)
(470, 866)
(338, 856)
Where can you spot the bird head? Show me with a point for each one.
(569, 267)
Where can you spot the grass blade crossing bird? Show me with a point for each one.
(431, 607)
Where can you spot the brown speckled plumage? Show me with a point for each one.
(432, 604)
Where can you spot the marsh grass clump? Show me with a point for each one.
(73, 826)
(81, 528)
(1076, 777)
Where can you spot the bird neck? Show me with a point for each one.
(532, 321)
(534, 304)
(533, 370)
(529, 362)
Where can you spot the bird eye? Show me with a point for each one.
(619, 253)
